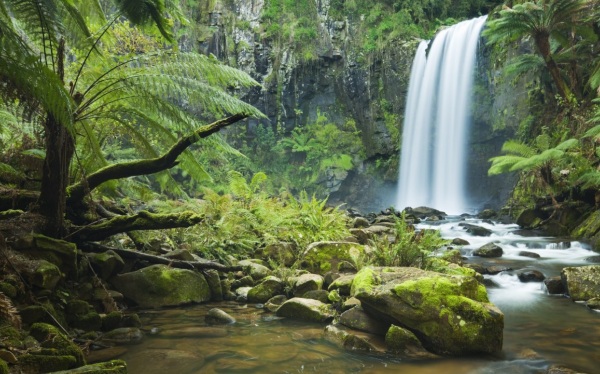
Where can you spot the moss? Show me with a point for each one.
(47, 363)
(364, 281)
(112, 321)
(77, 307)
(10, 337)
(132, 320)
(8, 289)
(268, 288)
(47, 275)
(324, 256)
(109, 367)
(397, 339)
(50, 337)
(3, 367)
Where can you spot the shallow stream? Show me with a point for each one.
(540, 329)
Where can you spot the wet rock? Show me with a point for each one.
(307, 282)
(342, 284)
(122, 336)
(159, 285)
(450, 314)
(256, 271)
(475, 230)
(423, 212)
(530, 218)
(357, 319)
(555, 285)
(488, 250)
(217, 316)
(529, 254)
(270, 286)
(321, 295)
(241, 294)
(322, 257)
(460, 241)
(352, 340)
(275, 302)
(559, 369)
(583, 283)
(214, 284)
(306, 310)
(477, 267)
(531, 276)
(593, 259)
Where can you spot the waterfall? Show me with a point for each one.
(437, 119)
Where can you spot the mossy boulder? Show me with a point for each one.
(321, 257)
(583, 282)
(214, 283)
(450, 314)
(66, 354)
(109, 367)
(307, 282)
(106, 264)
(269, 287)
(342, 284)
(256, 270)
(46, 275)
(159, 285)
(3, 367)
(306, 310)
(59, 252)
(353, 340)
(475, 230)
(403, 342)
(282, 252)
(589, 229)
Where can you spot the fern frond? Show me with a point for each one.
(503, 164)
(522, 64)
(567, 144)
(590, 179)
(594, 132)
(8, 312)
(517, 148)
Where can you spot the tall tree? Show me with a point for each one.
(541, 20)
(38, 38)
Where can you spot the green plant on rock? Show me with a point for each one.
(410, 248)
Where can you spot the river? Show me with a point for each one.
(540, 329)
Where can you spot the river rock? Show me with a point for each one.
(529, 254)
(583, 283)
(257, 271)
(487, 214)
(122, 336)
(593, 303)
(403, 342)
(159, 285)
(531, 276)
(275, 302)
(342, 284)
(496, 269)
(268, 287)
(306, 310)
(357, 319)
(307, 282)
(322, 257)
(241, 294)
(217, 316)
(555, 285)
(360, 222)
(488, 250)
(450, 314)
(460, 241)
(475, 230)
(321, 295)
(423, 212)
(530, 218)
(352, 340)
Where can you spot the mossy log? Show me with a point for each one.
(78, 191)
(127, 254)
(141, 221)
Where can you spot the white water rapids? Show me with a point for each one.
(436, 122)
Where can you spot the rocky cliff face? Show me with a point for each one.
(344, 83)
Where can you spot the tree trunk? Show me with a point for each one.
(542, 42)
(55, 177)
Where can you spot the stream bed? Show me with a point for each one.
(540, 329)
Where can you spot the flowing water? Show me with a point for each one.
(539, 329)
(437, 120)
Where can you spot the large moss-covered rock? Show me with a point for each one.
(269, 287)
(583, 283)
(590, 229)
(159, 285)
(46, 275)
(322, 257)
(306, 310)
(59, 352)
(109, 367)
(450, 314)
(357, 319)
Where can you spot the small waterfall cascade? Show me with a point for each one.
(437, 120)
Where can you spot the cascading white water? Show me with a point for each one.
(436, 122)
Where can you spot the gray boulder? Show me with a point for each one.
(307, 282)
(583, 283)
(489, 250)
(306, 310)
